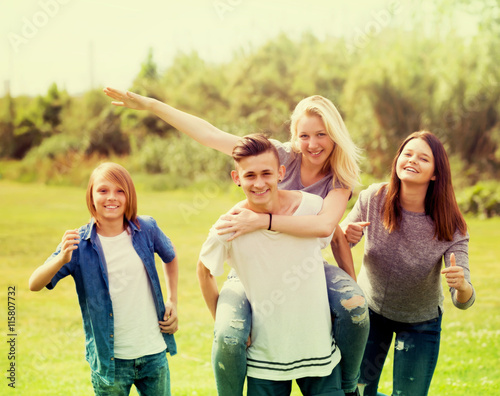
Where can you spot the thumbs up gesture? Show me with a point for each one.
(454, 275)
(354, 231)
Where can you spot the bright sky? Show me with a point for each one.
(80, 43)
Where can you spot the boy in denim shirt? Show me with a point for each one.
(128, 328)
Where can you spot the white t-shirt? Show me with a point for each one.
(284, 280)
(137, 332)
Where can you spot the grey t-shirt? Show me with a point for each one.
(291, 181)
(401, 272)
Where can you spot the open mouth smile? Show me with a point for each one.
(316, 153)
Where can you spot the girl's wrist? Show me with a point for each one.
(152, 105)
(264, 221)
(466, 288)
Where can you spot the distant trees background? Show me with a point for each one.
(386, 85)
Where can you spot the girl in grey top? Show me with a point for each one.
(412, 223)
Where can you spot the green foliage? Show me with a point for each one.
(182, 160)
(149, 69)
(7, 139)
(106, 137)
(481, 199)
(26, 122)
(6, 126)
(52, 106)
(93, 104)
(56, 146)
(392, 82)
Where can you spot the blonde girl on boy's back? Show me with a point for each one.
(322, 159)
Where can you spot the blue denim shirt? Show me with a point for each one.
(88, 268)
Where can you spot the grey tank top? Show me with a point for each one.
(291, 181)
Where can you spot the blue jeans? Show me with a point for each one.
(351, 323)
(232, 328)
(416, 350)
(150, 375)
(309, 386)
(233, 324)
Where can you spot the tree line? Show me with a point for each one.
(388, 86)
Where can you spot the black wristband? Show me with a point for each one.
(270, 221)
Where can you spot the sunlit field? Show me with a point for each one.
(49, 341)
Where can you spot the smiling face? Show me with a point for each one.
(415, 164)
(109, 199)
(314, 143)
(258, 176)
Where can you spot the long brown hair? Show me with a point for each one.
(118, 175)
(440, 202)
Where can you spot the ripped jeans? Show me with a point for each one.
(233, 325)
(416, 350)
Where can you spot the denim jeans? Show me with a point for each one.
(309, 386)
(150, 375)
(351, 323)
(416, 350)
(232, 329)
(233, 325)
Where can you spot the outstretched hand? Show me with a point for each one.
(454, 275)
(127, 99)
(354, 231)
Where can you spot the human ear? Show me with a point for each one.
(236, 178)
(281, 173)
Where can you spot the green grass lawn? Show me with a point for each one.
(50, 341)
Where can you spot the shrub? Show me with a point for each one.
(482, 199)
(107, 138)
(182, 159)
(54, 146)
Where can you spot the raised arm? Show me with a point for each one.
(44, 274)
(195, 127)
(208, 286)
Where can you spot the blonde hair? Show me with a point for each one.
(118, 175)
(344, 159)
